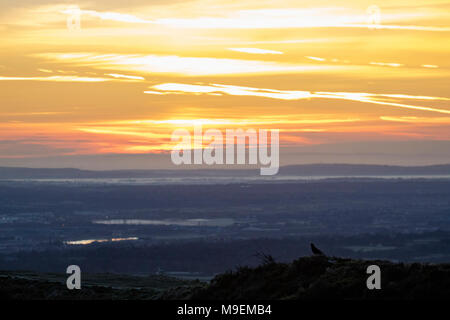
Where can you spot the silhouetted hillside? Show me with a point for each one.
(324, 278)
(50, 286)
(305, 278)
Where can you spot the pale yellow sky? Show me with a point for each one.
(120, 81)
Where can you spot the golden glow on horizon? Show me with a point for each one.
(131, 74)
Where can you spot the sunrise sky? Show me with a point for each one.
(344, 81)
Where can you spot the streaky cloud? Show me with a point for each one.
(386, 64)
(255, 51)
(373, 98)
(123, 76)
(57, 79)
(269, 18)
(174, 64)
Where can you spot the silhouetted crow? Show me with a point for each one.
(316, 250)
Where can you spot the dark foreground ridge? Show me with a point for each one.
(317, 277)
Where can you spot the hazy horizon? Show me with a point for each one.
(371, 153)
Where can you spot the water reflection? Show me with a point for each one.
(89, 241)
(220, 222)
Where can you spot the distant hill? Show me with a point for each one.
(297, 170)
(357, 170)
